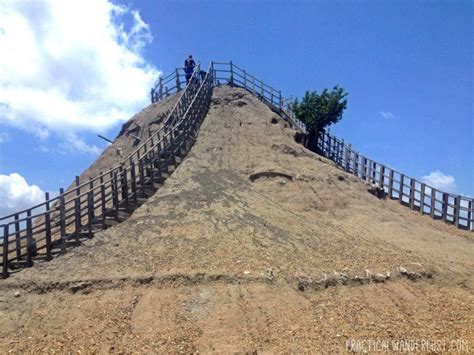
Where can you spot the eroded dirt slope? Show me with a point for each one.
(133, 133)
(253, 244)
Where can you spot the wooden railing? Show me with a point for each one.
(451, 208)
(46, 229)
(237, 76)
(171, 83)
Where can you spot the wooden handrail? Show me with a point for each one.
(351, 161)
(79, 210)
(126, 181)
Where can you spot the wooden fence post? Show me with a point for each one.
(444, 208)
(141, 176)
(402, 183)
(115, 198)
(280, 100)
(433, 203)
(412, 193)
(369, 173)
(77, 208)
(5, 252)
(90, 211)
(62, 220)
(133, 180)
(470, 215)
(245, 79)
(457, 210)
(382, 176)
(102, 199)
(347, 157)
(364, 168)
(152, 95)
(47, 226)
(231, 74)
(178, 84)
(91, 188)
(390, 184)
(374, 171)
(422, 198)
(330, 145)
(355, 164)
(341, 153)
(124, 184)
(30, 248)
(17, 237)
(160, 92)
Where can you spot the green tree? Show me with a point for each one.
(318, 111)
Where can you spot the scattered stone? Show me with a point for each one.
(377, 190)
(302, 284)
(17, 294)
(270, 274)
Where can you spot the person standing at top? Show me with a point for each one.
(189, 68)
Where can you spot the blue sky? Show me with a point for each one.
(407, 66)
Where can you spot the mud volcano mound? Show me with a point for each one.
(253, 244)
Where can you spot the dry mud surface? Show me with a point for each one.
(254, 244)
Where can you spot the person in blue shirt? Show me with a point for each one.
(189, 65)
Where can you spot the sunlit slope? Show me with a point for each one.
(252, 244)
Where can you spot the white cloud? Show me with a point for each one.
(71, 66)
(75, 144)
(387, 115)
(438, 180)
(17, 194)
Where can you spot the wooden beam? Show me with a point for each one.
(29, 240)
(422, 198)
(5, 273)
(47, 226)
(62, 220)
(17, 237)
(402, 183)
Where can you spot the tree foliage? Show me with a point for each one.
(318, 111)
